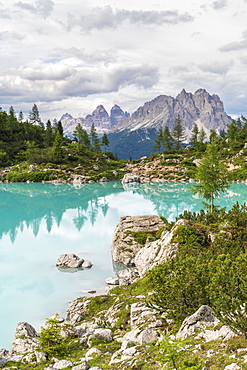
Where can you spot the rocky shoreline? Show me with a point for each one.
(121, 328)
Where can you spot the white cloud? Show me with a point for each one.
(218, 4)
(41, 7)
(59, 81)
(104, 17)
(70, 57)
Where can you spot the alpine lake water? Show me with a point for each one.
(38, 222)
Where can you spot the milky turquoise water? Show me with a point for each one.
(38, 222)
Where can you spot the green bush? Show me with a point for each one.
(36, 176)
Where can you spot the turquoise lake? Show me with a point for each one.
(38, 222)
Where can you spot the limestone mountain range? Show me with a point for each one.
(206, 110)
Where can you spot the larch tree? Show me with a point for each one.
(212, 176)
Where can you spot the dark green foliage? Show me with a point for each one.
(180, 286)
(178, 133)
(95, 142)
(58, 153)
(105, 141)
(228, 291)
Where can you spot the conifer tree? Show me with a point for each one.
(95, 143)
(158, 141)
(34, 117)
(58, 153)
(178, 133)
(167, 139)
(211, 174)
(105, 141)
(194, 135)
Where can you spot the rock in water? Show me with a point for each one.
(69, 261)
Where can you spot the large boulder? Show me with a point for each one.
(131, 179)
(203, 317)
(124, 245)
(69, 261)
(25, 340)
(198, 325)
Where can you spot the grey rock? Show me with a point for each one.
(104, 334)
(3, 361)
(86, 265)
(140, 315)
(92, 352)
(124, 247)
(232, 366)
(202, 318)
(23, 329)
(128, 276)
(131, 179)
(25, 340)
(62, 364)
(148, 336)
(76, 309)
(103, 179)
(69, 260)
(157, 252)
(83, 366)
(112, 281)
(32, 168)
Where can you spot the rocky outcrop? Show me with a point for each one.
(127, 251)
(157, 252)
(124, 245)
(70, 260)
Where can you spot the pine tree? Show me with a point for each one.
(49, 137)
(159, 140)
(95, 143)
(34, 117)
(167, 139)
(58, 152)
(105, 141)
(178, 133)
(194, 135)
(20, 117)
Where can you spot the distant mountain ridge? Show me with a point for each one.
(102, 121)
(206, 110)
(133, 135)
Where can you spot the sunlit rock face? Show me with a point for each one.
(201, 108)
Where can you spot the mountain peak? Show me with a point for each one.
(202, 108)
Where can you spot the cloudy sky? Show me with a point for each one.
(70, 56)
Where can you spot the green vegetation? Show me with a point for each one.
(212, 176)
(206, 270)
(44, 145)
